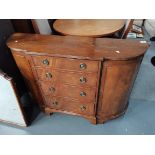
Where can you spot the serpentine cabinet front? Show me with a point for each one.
(94, 88)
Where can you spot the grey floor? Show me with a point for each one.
(139, 118)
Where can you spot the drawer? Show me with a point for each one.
(73, 78)
(78, 93)
(45, 74)
(78, 65)
(70, 105)
(66, 64)
(43, 61)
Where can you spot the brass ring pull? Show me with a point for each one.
(83, 66)
(48, 75)
(55, 103)
(52, 89)
(45, 62)
(83, 79)
(83, 108)
(82, 93)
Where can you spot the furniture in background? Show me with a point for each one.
(153, 60)
(83, 76)
(41, 26)
(138, 22)
(9, 67)
(7, 63)
(22, 25)
(88, 27)
(149, 25)
(11, 110)
(127, 28)
(51, 21)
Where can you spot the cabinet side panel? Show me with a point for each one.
(25, 69)
(116, 84)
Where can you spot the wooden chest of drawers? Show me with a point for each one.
(80, 76)
(68, 84)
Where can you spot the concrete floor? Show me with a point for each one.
(139, 118)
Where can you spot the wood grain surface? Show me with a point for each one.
(77, 47)
(88, 77)
(88, 27)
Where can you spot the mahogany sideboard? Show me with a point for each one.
(88, 77)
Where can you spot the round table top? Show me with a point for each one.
(88, 27)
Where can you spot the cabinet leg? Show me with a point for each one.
(91, 119)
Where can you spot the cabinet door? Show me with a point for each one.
(117, 80)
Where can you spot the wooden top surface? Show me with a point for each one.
(88, 27)
(76, 47)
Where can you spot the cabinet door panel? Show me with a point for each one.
(117, 80)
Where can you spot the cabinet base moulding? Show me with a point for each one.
(49, 111)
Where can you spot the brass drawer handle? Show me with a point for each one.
(55, 103)
(83, 108)
(48, 75)
(82, 93)
(83, 66)
(45, 62)
(52, 89)
(83, 79)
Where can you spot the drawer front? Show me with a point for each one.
(43, 61)
(66, 64)
(78, 65)
(69, 105)
(45, 74)
(79, 93)
(81, 79)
